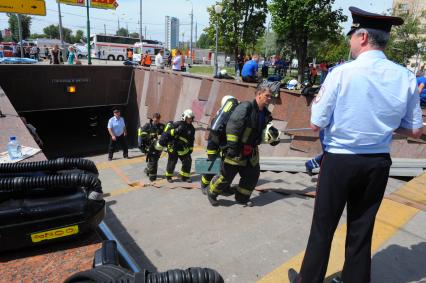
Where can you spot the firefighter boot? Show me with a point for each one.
(186, 179)
(243, 199)
(169, 179)
(212, 198)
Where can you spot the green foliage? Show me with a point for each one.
(302, 23)
(330, 50)
(38, 35)
(13, 26)
(1, 36)
(79, 35)
(122, 32)
(52, 31)
(204, 41)
(240, 24)
(404, 41)
(134, 35)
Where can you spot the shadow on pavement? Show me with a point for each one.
(126, 239)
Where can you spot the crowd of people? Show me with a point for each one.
(356, 111)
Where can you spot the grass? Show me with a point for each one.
(208, 70)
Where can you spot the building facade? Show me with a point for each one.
(171, 33)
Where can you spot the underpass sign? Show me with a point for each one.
(29, 7)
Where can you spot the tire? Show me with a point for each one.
(120, 58)
(111, 57)
(79, 56)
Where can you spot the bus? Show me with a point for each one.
(152, 46)
(111, 47)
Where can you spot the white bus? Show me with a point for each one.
(152, 46)
(111, 47)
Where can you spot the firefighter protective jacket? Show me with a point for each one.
(244, 129)
(178, 137)
(148, 133)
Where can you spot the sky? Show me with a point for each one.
(153, 16)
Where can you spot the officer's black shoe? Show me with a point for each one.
(186, 179)
(169, 179)
(212, 198)
(292, 275)
(152, 178)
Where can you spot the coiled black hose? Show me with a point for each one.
(50, 165)
(10, 187)
(117, 274)
(190, 275)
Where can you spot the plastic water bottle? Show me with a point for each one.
(238, 75)
(14, 149)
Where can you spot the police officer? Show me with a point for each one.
(359, 106)
(147, 141)
(216, 140)
(243, 135)
(179, 139)
(117, 131)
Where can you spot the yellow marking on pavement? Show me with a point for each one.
(124, 191)
(388, 222)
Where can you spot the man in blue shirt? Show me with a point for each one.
(117, 131)
(359, 106)
(421, 84)
(249, 72)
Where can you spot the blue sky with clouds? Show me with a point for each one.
(154, 12)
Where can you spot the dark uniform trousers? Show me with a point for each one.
(355, 180)
(152, 158)
(249, 177)
(186, 164)
(113, 146)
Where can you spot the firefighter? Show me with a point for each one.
(216, 140)
(178, 137)
(244, 132)
(148, 143)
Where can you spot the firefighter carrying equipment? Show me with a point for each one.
(224, 114)
(107, 269)
(243, 133)
(271, 135)
(148, 137)
(178, 137)
(48, 201)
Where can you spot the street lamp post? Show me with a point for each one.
(218, 10)
(192, 23)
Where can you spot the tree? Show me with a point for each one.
(13, 26)
(404, 41)
(134, 35)
(51, 31)
(79, 36)
(204, 41)
(38, 35)
(122, 32)
(1, 36)
(330, 50)
(241, 23)
(300, 22)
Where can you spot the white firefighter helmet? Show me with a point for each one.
(270, 134)
(157, 146)
(187, 114)
(292, 84)
(225, 99)
(223, 72)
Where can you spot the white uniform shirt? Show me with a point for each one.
(159, 62)
(177, 61)
(116, 125)
(361, 103)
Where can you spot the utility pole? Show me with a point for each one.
(127, 28)
(192, 22)
(89, 56)
(104, 29)
(145, 33)
(20, 34)
(140, 21)
(196, 35)
(61, 34)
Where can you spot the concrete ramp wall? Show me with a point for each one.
(170, 93)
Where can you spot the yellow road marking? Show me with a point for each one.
(387, 224)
